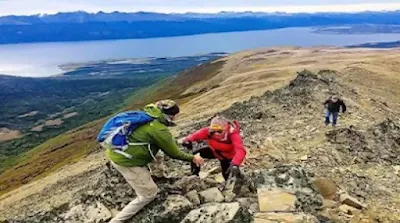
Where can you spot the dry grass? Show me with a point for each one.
(70, 115)
(29, 114)
(54, 122)
(8, 134)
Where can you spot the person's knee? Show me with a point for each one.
(151, 193)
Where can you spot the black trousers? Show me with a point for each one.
(207, 153)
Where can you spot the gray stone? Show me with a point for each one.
(249, 203)
(329, 204)
(284, 218)
(190, 183)
(396, 170)
(98, 213)
(173, 209)
(204, 175)
(193, 197)
(304, 158)
(346, 209)
(351, 201)
(222, 212)
(93, 213)
(175, 203)
(211, 195)
(75, 213)
(246, 202)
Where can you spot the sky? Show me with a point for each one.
(29, 7)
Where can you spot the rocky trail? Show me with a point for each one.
(296, 170)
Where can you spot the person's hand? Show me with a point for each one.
(181, 141)
(185, 143)
(198, 160)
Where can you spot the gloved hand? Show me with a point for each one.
(234, 171)
(185, 143)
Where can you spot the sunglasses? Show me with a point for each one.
(217, 131)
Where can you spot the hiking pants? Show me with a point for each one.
(334, 117)
(146, 190)
(207, 153)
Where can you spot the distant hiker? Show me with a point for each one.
(150, 135)
(224, 143)
(333, 105)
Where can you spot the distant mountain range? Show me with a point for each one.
(79, 26)
(377, 45)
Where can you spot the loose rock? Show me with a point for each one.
(346, 209)
(211, 195)
(351, 201)
(284, 218)
(223, 212)
(193, 197)
(327, 188)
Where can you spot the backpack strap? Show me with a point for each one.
(143, 144)
(235, 127)
(122, 153)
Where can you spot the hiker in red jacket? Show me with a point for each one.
(224, 143)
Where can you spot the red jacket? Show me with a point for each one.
(231, 148)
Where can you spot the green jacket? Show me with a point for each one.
(157, 134)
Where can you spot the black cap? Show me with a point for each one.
(174, 110)
(168, 107)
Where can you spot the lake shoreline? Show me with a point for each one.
(47, 59)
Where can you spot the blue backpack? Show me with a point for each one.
(115, 132)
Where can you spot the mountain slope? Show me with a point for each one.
(280, 109)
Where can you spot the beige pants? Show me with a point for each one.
(146, 190)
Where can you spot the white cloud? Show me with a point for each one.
(52, 6)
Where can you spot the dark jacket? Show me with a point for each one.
(335, 107)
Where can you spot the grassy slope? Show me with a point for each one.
(75, 144)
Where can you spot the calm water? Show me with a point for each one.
(42, 59)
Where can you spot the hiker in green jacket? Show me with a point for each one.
(134, 169)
